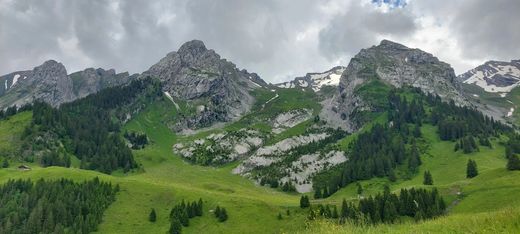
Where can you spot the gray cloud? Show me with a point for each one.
(489, 29)
(362, 26)
(277, 39)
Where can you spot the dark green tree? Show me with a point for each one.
(304, 201)
(153, 216)
(5, 163)
(280, 216)
(471, 169)
(428, 180)
(513, 163)
(175, 226)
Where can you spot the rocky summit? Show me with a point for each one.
(213, 87)
(50, 83)
(391, 64)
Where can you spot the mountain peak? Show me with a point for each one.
(390, 44)
(192, 47)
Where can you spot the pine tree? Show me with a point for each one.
(175, 226)
(199, 207)
(304, 201)
(5, 163)
(280, 216)
(153, 216)
(471, 169)
(513, 163)
(428, 180)
(222, 215)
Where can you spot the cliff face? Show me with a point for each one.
(395, 65)
(48, 82)
(214, 87)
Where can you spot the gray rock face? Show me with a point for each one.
(93, 80)
(214, 86)
(50, 83)
(395, 65)
(494, 76)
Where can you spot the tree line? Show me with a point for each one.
(56, 206)
(385, 207)
(88, 128)
(181, 214)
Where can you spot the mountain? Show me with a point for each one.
(93, 80)
(214, 88)
(494, 76)
(50, 83)
(315, 81)
(387, 64)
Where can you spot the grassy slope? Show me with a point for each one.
(10, 131)
(487, 200)
(167, 179)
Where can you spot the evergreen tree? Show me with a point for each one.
(471, 169)
(304, 201)
(428, 180)
(5, 163)
(222, 217)
(513, 163)
(280, 216)
(153, 216)
(175, 226)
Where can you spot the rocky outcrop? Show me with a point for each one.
(93, 80)
(216, 89)
(48, 82)
(315, 81)
(392, 64)
(494, 76)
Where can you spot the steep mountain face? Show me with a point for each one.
(48, 82)
(213, 87)
(391, 64)
(93, 80)
(316, 81)
(494, 76)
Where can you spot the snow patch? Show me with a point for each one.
(503, 94)
(275, 97)
(171, 99)
(15, 79)
(6, 84)
(510, 113)
(475, 95)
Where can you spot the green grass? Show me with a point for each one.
(504, 221)
(11, 130)
(166, 179)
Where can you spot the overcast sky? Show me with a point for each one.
(278, 39)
